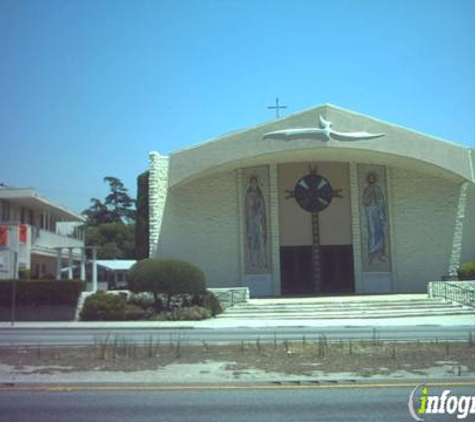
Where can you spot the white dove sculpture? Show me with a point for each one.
(325, 129)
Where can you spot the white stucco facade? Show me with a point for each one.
(199, 225)
(199, 201)
(35, 230)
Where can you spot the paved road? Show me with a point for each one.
(76, 336)
(221, 404)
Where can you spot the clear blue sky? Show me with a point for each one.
(88, 88)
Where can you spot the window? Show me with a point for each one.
(26, 216)
(4, 211)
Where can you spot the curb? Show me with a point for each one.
(293, 383)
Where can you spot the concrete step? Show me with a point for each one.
(346, 310)
(350, 315)
(335, 299)
(338, 308)
(333, 307)
(370, 311)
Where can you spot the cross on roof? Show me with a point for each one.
(277, 107)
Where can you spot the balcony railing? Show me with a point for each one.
(45, 239)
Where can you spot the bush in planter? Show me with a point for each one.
(103, 306)
(143, 300)
(466, 271)
(167, 276)
(211, 302)
(136, 313)
(191, 313)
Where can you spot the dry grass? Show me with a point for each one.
(363, 358)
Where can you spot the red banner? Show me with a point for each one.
(4, 235)
(23, 233)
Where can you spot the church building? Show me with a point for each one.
(324, 201)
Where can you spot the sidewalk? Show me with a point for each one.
(228, 323)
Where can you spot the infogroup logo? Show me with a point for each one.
(421, 403)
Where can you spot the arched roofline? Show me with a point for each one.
(247, 147)
(367, 157)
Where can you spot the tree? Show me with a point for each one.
(118, 202)
(110, 223)
(118, 206)
(166, 276)
(115, 240)
(97, 213)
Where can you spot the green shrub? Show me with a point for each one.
(143, 300)
(191, 313)
(41, 292)
(136, 313)
(103, 306)
(211, 302)
(167, 276)
(466, 271)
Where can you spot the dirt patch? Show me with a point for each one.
(360, 358)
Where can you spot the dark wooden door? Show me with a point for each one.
(337, 270)
(296, 270)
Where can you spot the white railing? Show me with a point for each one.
(45, 239)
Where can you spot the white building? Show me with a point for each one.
(115, 272)
(396, 208)
(32, 231)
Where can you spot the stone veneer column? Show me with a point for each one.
(157, 193)
(355, 227)
(458, 230)
(274, 228)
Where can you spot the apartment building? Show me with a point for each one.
(36, 235)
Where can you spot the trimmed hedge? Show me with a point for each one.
(103, 306)
(466, 271)
(167, 276)
(41, 292)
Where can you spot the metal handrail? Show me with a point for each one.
(227, 298)
(450, 277)
(465, 295)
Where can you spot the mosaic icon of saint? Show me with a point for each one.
(256, 225)
(375, 214)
